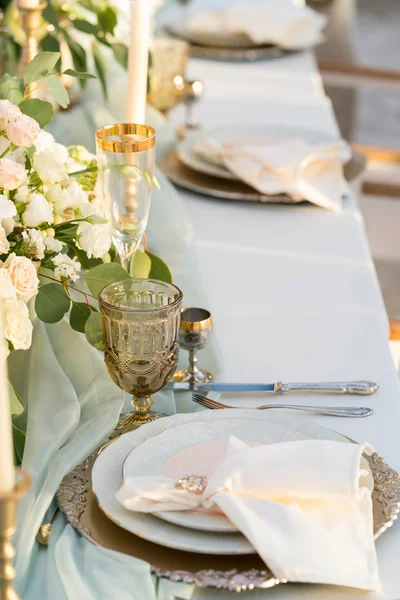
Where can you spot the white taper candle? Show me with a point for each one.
(7, 471)
(138, 61)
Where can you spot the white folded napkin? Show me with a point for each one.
(283, 24)
(294, 167)
(305, 506)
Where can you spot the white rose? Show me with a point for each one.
(7, 289)
(44, 141)
(23, 275)
(33, 244)
(7, 207)
(72, 196)
(12, 174)
(18, 327)
(52, 244)
(22, 130)
(49, 169)
(8, 225)
(7, 110)
(6, 351)
(60, 152)
(4, 243)
(22, 194)
(38, 211)
(95, 240)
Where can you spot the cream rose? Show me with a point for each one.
(49, 169)
(23, 275)
(22, 130)
(95, 240)
(7, 207)
(4, 243)
(7, 289)
(18, 327)
(38, 211)
(12, 174)
(7, 110)
(8, 224)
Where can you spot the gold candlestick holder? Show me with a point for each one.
(8, 514)
(31, 19)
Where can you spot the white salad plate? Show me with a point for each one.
(214, 425)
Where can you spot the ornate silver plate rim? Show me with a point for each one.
(72, 496)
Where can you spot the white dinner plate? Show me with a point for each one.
(221, 40)
(234, 134)
(107, 475)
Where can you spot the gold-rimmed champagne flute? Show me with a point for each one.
(141, 321)
(126, 155)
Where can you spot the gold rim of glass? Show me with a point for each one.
(104, 133)
(132, 309)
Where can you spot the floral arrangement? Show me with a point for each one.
(52, 228)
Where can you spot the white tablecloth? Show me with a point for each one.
(293, 290)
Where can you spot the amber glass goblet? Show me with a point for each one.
(141, 321)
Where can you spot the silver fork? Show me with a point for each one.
(333, 411)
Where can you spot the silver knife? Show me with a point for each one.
(363, 388)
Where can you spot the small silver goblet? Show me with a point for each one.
(195, 329)
(192, 93)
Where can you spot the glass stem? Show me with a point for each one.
(142, 407)
(193, 369)
(126, 253)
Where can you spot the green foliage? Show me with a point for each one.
(120, 52)
(141, 265)
(51, 16)
(40, 66)
(80, 313)
(16, 405)
(85, 27)
(102, 275)
(57, 90)
(39, 110)
(94, 331)
(100, 66)
(50, 43)
(51, 303)
(19, 437)
(107, 20)
(11, 88)
(159, 270)
(79, 74)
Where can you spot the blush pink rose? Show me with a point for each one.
(22, 130)
(12, 174)
(23, 276)
(7, 110)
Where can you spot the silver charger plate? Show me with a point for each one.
(233, 573)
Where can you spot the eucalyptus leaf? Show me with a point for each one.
(80, 313)
(51, 303)
(141, 265)
(50, 43)
(159, 270)
(107, 20)
(94, 331)
(120, 52)
(43, 63)
(50, 15)
(19, 437)
(100, 66)
(40, 110)
(57, 90)
(102, 275)
(16, 405)
(79, 74)
(85, 27)
(79, 58)
(11, 88)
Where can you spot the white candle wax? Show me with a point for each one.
(7, 472)
(28, 3)
(138, 61)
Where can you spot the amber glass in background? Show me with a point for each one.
(167, 72)
(141, 321)
(126, 155)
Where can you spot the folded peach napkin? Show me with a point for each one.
(305, 506)
(283, 24)
(302, 170)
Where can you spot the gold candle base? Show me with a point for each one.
(30, 18)
(8, 514)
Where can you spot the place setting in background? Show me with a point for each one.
(265, 163)
(246, 33)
